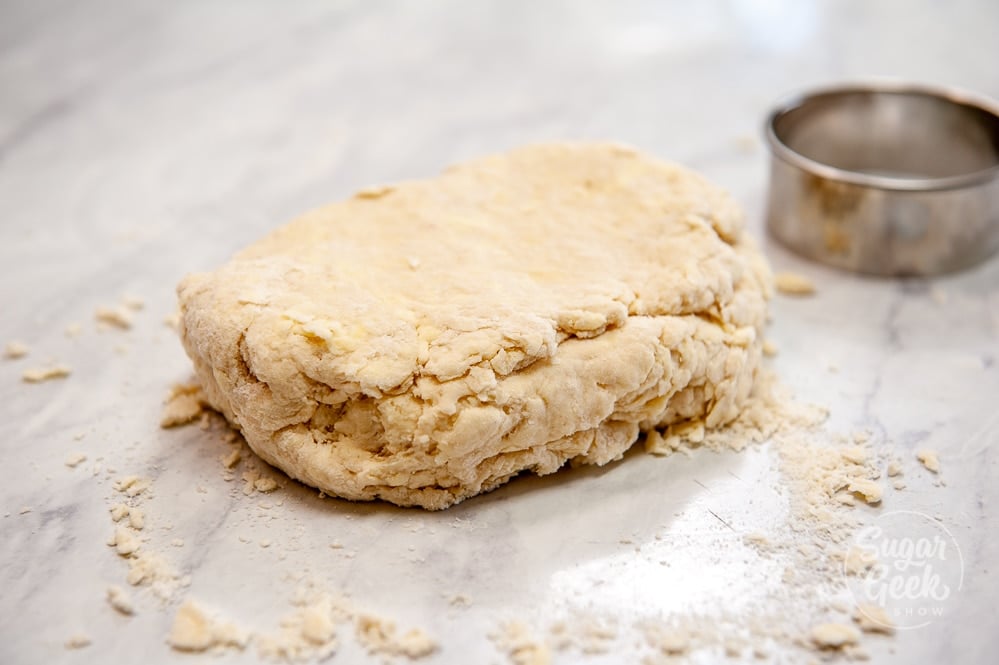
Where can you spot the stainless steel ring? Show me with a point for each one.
(886, 178)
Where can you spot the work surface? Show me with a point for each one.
(143, 140)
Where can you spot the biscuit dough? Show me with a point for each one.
(426, 342)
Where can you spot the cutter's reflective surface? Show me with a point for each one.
(888, 179)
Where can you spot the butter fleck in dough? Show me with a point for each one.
(565, 299)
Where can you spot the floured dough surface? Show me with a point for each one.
(426, 342)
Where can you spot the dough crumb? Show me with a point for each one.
(894, 469)
(39, 374)
(119, 511)
(124, 542)
(670, 640)
(858, 560)
(114, 317)
(929, 459)
(136, 518)
(459, 600)
(194, 630)
(15, 350)
(514, 639)
(185, 403)
(873, 619)
(265, 485)
(119, 600)
(73, 329)
(595, 636)
(769, 348)
(834, 635)
(307, 634)
(150, 569)
(794, 284)
(77, 641)
(232, 459)
(131, 486)
(74, 460)
(133, 303)
(378, 636)
(869, 490)
(854, 454)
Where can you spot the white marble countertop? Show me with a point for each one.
(142, 140)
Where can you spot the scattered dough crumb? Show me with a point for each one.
(459, 600)
(194, 630)
(15, 349)
(894, 469)
(73, 329)
(858, 560)
(124, 542)
(172, 320)
(183, 405)
(870, 490)
(307, 634)
(669, 640)
(115, 317)
(119, 511)
(378, 636)
(131, 485)
(25, 510)
(769, 348)
(515, 640)
(265, 485)
(75, 459)
(149, 569)
(39, 374)
(77, 641)
(177, 542)
(134, 303)
(232, 459)
(791, 283)
(929, 459)
(119, 600)
(595, 636)
(873, 619)
(855, 454)
(136, 518)
(834, 635)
